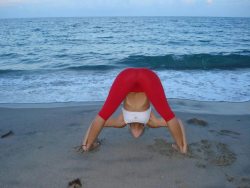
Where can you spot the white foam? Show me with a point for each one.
(66, 86)
(207, 85)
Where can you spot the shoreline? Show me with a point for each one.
(179, 105)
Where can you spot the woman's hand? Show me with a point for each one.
(115, 122)
(155, 122)
(95, 144)
(120, 123)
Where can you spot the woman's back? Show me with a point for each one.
(136, 101)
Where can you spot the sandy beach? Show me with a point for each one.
(40, 149)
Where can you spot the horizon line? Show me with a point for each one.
(112, 16)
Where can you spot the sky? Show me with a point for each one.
(81, 8)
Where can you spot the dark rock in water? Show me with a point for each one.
(76, 183)
(196, 121)
(7, 134)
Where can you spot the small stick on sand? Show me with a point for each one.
(7, 134)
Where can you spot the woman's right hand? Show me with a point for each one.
(92, 147)
(92, 133)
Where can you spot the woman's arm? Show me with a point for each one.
(115, 122)
(92, 132)
(96, 126)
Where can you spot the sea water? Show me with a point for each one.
(76, 59)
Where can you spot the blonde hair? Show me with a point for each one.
(136, 129)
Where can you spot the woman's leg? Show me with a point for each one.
(119, 89)
(152, 86)
(121, 86)
(177, 131)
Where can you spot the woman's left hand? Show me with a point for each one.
(153, 121)
(183, 150)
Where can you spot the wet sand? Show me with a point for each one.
(40, 149)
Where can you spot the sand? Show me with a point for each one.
(40, 150)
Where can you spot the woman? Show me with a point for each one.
(137, 88)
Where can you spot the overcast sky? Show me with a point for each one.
(71, 8)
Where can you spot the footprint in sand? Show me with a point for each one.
(224, 132)
(212, 152)
(74, 124)
(205, 152)
(240, 182)
(164, 148)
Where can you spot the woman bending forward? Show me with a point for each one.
(137, 88)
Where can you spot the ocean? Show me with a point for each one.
(45, 60)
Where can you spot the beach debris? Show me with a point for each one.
(76, 183)
(205, 152)
(197, 121)
(9, 133)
